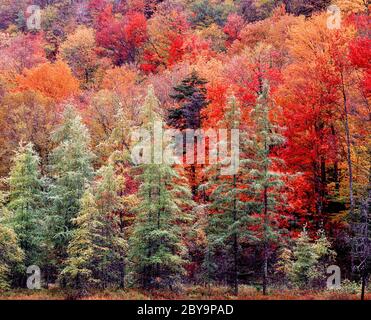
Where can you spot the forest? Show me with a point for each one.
(185, 149)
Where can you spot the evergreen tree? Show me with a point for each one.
(156, 248)
(307, 261)
(25, 203)
(78, 272)
(11, 255)
(113, 257)
(191, 95)
(118, 147)
(71, 171)
(229, 209)
(96, 251)
(266, 181)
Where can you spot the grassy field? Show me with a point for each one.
(191, 292)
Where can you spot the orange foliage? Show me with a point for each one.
(53, 80)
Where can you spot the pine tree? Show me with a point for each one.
(266, 182)
(71, 171)
(118, 147)
(11, 255)
(96, 251)
(25, 203)
(309, 259)
(78, 271)
(229, 209)
(113, 260)
(191, 95)
(156, 248)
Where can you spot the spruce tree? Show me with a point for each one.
(78, 273)
(109, 202)
(118, 147)
(156, 248)
(190, 94)
(96, 252)
(306, 263)
(71, 171)
(229, 210)
(266, 181)
(11, 255)
(25, 203)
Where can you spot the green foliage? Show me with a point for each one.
(229, 212)
(206, 13)
(306, 264)
(96, 251)
(191, 94)
(11, 255)
(265, 182)
(25, 203)
(156, 249)
(71, 171)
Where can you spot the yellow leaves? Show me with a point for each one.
(353, 6)
(27, 116)
(78, 45)
(121, 80)
(215, 35)
(79, 51)
(311, 39)
(210, 69)
(82, 38)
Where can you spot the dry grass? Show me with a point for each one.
(188, 292)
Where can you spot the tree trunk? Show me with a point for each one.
(235, 245)
(363, 284)
(348, 143)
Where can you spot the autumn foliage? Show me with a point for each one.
(74, 93)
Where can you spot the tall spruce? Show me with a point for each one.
(157, 253)
(266, 180)
(96, 252)
(11, 255)
(229, 210)
(71, 171)
(190, 94)
(25, 204)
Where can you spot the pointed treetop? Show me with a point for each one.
(150, 107)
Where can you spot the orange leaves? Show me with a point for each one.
(120, 80)
(53, 80)
(214, 112)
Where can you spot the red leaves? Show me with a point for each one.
(233, 27)
(135, 28)
(176, 49)
(120, 38)
(360, 56)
